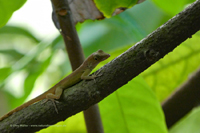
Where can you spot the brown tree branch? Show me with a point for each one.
(114, 75)
(67, 29)
(63, 20)
(183, 100)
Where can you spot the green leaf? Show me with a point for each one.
(172, 7)
(68, 126)
(174, 68)
(108, 7)
(18, 31)
(7, 7)
(31, 55)
(12, 52)
(4, 72)
(34, 73)
(189, 124)
(133, 109)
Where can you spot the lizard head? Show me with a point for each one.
(94, 59)
(100, 56)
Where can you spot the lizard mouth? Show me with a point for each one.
(106, 57)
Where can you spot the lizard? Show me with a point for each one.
(81, 73)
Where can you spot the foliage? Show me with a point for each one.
(189, 124)
(172, 7)
(7, 8)
(108, 7)
(36, 64)
(127, 109)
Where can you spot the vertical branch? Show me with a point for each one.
(63, 20)
(93, 120)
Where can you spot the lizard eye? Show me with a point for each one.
(96, 57)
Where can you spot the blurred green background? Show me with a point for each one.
(30, 65)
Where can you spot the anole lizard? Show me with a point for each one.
(81, 73)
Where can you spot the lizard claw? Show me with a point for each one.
(53, 101)
(95, 80)
(96, 75)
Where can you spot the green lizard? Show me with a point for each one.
(81, 73)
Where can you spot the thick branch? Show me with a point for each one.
(183, 100)
(114, 75)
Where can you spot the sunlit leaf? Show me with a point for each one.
(4, 72)
(174, 68)
(108, 7)
(189, 124)
(133, 108)
(172, 7)
(7, 7)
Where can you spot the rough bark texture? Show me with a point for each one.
(114, 75)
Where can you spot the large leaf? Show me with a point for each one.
(172, 7)
(174, 68)
(108, 7)
(133, 109)
(7, 7)
(74, 124)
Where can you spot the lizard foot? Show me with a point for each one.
(53, 101)
(95, 75)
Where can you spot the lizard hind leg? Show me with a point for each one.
(52, 97)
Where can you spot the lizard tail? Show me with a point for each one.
(40, 97)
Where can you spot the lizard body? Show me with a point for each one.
(81, 73)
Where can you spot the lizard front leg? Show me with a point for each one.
(86, 76)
